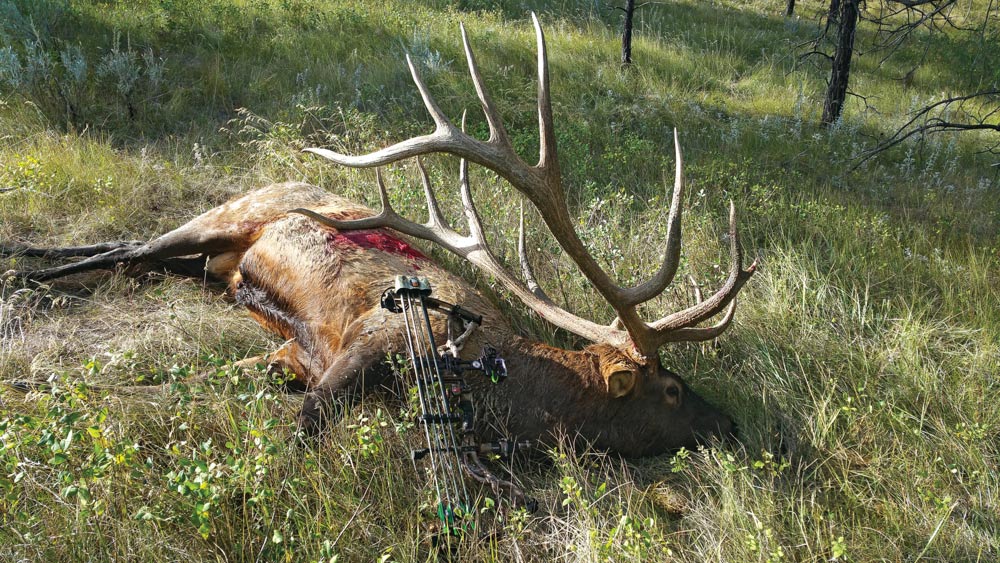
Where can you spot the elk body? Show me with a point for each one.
(311, 266)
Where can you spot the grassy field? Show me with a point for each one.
(863, 366)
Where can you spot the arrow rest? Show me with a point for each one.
(447, 414)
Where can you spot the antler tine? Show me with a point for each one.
(432, 108)
(699, 334)
(436, 230)
(672, 248)
(383, 194)
(444, 136)
(676, 327)
(498, 134)
(547, 158)
(468, 205)
(696, 288)
(522, 252)
(497, 154)
(435, 217)
(386, 215)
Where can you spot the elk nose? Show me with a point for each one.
(734, 433)
(726, 430)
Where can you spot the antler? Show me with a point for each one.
(542, 185)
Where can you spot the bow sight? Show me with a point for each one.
(447, 414)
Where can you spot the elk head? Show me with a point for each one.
(639, 407)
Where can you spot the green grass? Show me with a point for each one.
(862, 367)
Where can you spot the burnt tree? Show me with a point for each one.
(844, 15)
(629, 11)
(893, 22)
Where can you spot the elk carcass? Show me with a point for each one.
(311, 266)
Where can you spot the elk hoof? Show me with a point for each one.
(531, 504)
(307, 427)
(311, 421)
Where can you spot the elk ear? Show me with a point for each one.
(621, 383)
(618, 371)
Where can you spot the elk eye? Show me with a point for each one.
(673, 393)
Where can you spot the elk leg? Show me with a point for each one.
(282, 365)
(342, 383)
(185, 241)
(97, 256)
(275, 363)
(103, 261)
(68, 251)
(109, 251)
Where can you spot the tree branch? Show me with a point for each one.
(935, 124)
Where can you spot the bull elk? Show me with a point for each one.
(310, 266)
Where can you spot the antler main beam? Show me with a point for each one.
(542, 185)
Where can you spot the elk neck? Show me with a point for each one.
(550, 389)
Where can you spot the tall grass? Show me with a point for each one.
(862, 366)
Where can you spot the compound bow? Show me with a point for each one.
(447, 414)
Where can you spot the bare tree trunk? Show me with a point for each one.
(836, 92)
(629, 9)
(790, 8)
